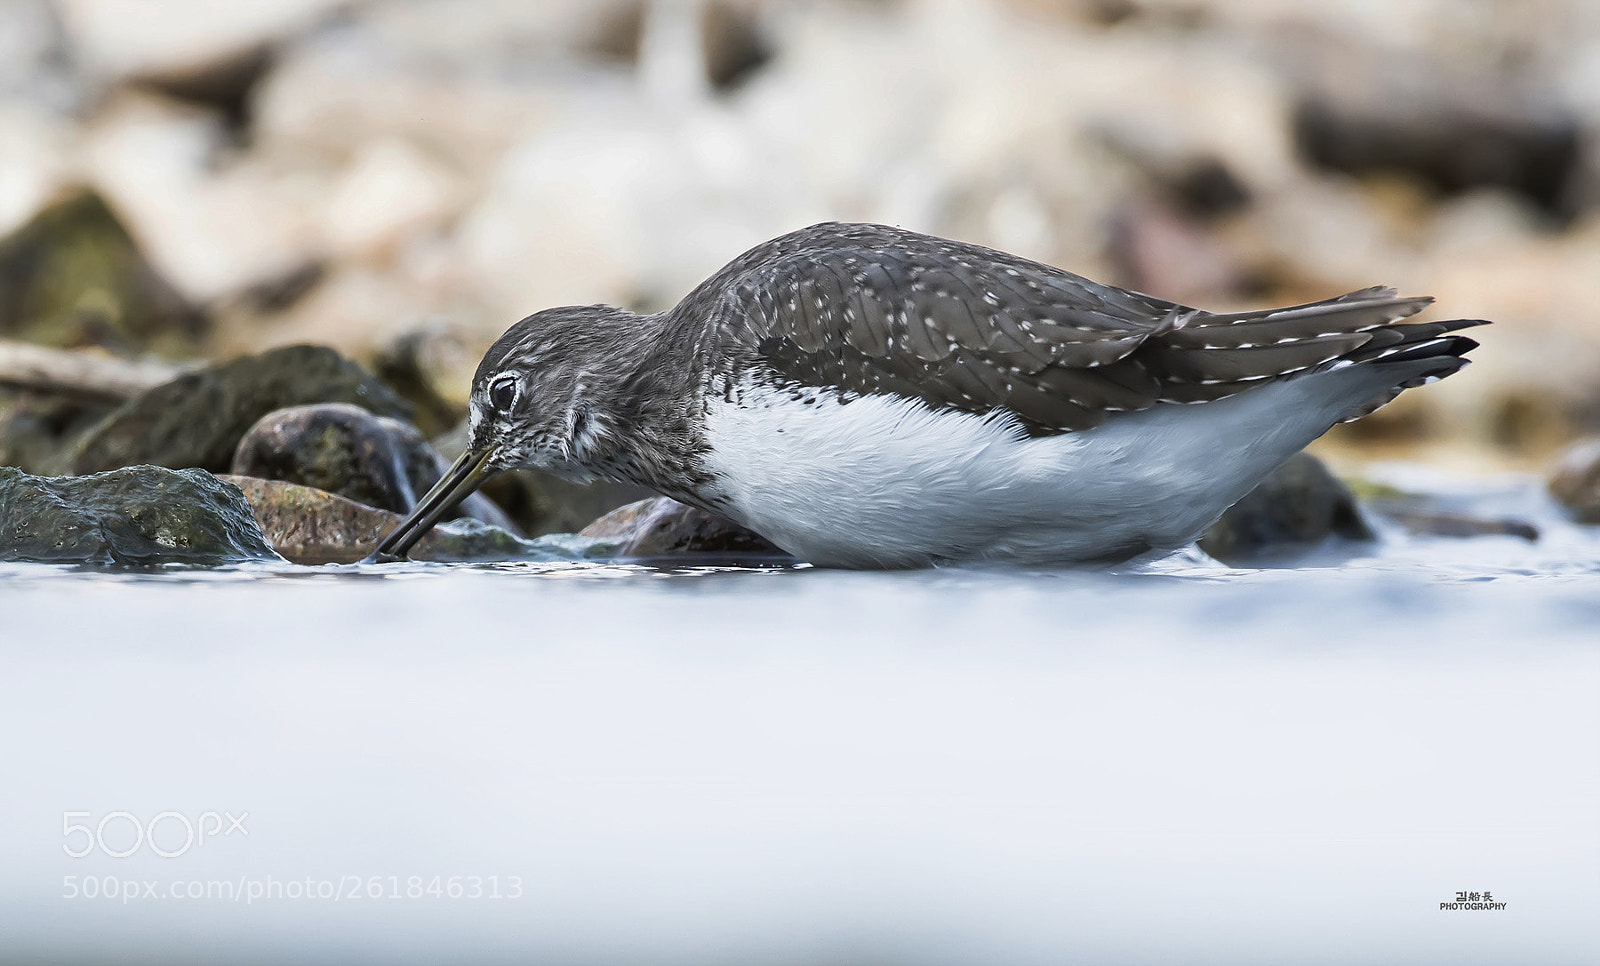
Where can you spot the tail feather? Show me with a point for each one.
(1340, 316)
(1421, 358)
(1207, 357)
(1391, 341)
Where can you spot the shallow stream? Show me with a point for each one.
(1170, 761)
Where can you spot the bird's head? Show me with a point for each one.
(544, 397)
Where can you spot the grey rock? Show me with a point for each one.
(136, 516)
(1575, 481)
(1300, 505)
(344, 449)
(661, 526)
(312, 526)
(199, 418)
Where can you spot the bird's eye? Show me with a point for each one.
(503, 393)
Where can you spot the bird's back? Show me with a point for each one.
(872, 310)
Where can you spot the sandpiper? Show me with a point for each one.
(866, 396)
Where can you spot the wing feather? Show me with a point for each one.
(865, 309)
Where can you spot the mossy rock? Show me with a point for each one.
(73, 276)
(198, 419)
(141, 515)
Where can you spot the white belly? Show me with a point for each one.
(885, 482)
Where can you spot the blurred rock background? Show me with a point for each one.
(403, 179)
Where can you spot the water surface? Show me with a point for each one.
(1169, 761)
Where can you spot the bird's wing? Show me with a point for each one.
(875, 310)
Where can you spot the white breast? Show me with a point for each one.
(881, 481)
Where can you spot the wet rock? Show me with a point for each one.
(73, 276)
(343, 449)
(199, 418)
(340, 448)
(1575, 481)
(1300, 505)
(660, 527)
(312, 526)
(138, 515)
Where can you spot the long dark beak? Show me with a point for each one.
(458, 482)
